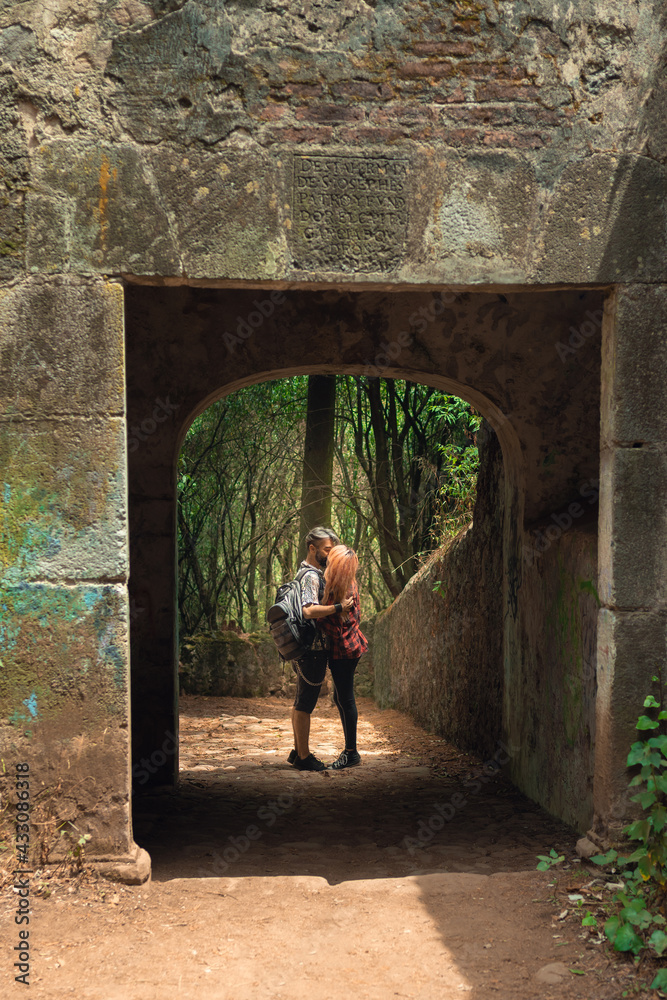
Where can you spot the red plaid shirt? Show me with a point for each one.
(347, 641)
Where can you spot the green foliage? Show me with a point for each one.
(75, 848)
(460, 466)
(637, 925)
(404, 476)
(549, 860)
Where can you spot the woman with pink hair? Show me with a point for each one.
(347, 644)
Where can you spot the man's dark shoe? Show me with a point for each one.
(311, 763)
(348, 758)
(292, 756)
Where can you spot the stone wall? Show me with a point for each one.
(556, 688)
(462, 184)
(185, 138)
(230, 665)
(441, 657)
(438, 654)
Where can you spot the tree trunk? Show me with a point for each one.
(318, 454)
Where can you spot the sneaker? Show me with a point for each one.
(311, 763)
(292, 756)
(348, 758)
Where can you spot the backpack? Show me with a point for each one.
(292, 633)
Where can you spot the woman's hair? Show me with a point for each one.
(340, 574)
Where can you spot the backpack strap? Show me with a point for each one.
(302, 572)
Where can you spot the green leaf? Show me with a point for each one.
(658, 941)
(650, 702)
(639, 830)
(589, 920)
(659, 818)
(660, 981)
(611, 928)
(578, 972)
(658, 741)
(605, 859)
(647, 799)
(637, 753)
(663, 714)
(645, 867)
(543, 866)
(626, 939)
(643, 722)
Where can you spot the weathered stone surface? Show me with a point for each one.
(114, 217)
(633, 527)
(542, 89)
(134, 871)
(438, 655)
(631, 645)
(485, 211)
(64, 500)
(635, 368)
(230, 665)
(586, 848)
(61, 349)
(550, 695)
(226, 211)
(64, 654)
(350, 212)
(607, 220)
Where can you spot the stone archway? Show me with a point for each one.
(508, 353)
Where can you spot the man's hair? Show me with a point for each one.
(318, 534)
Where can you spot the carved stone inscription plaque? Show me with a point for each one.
(350, 212)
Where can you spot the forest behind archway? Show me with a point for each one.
(403, 481)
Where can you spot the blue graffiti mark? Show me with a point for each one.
(91, 598)
(54, 547)
(31, 704)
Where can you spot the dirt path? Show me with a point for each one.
(269, 883)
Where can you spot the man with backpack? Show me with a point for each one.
(311, 668)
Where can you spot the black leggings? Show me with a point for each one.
(342, 673)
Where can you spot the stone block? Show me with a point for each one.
(634, 368)
(633, 528)
(65, 658)
(607, 221)
(61, 348)
(483, 211)
(64, 500)
(631, 646)
(115, 222)
(48, 231)
(228, 211)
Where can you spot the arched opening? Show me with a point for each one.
(497, 350)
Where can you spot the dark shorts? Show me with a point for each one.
(313, 666)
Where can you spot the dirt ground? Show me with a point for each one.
(412, 875)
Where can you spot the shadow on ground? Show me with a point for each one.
(417, 805)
